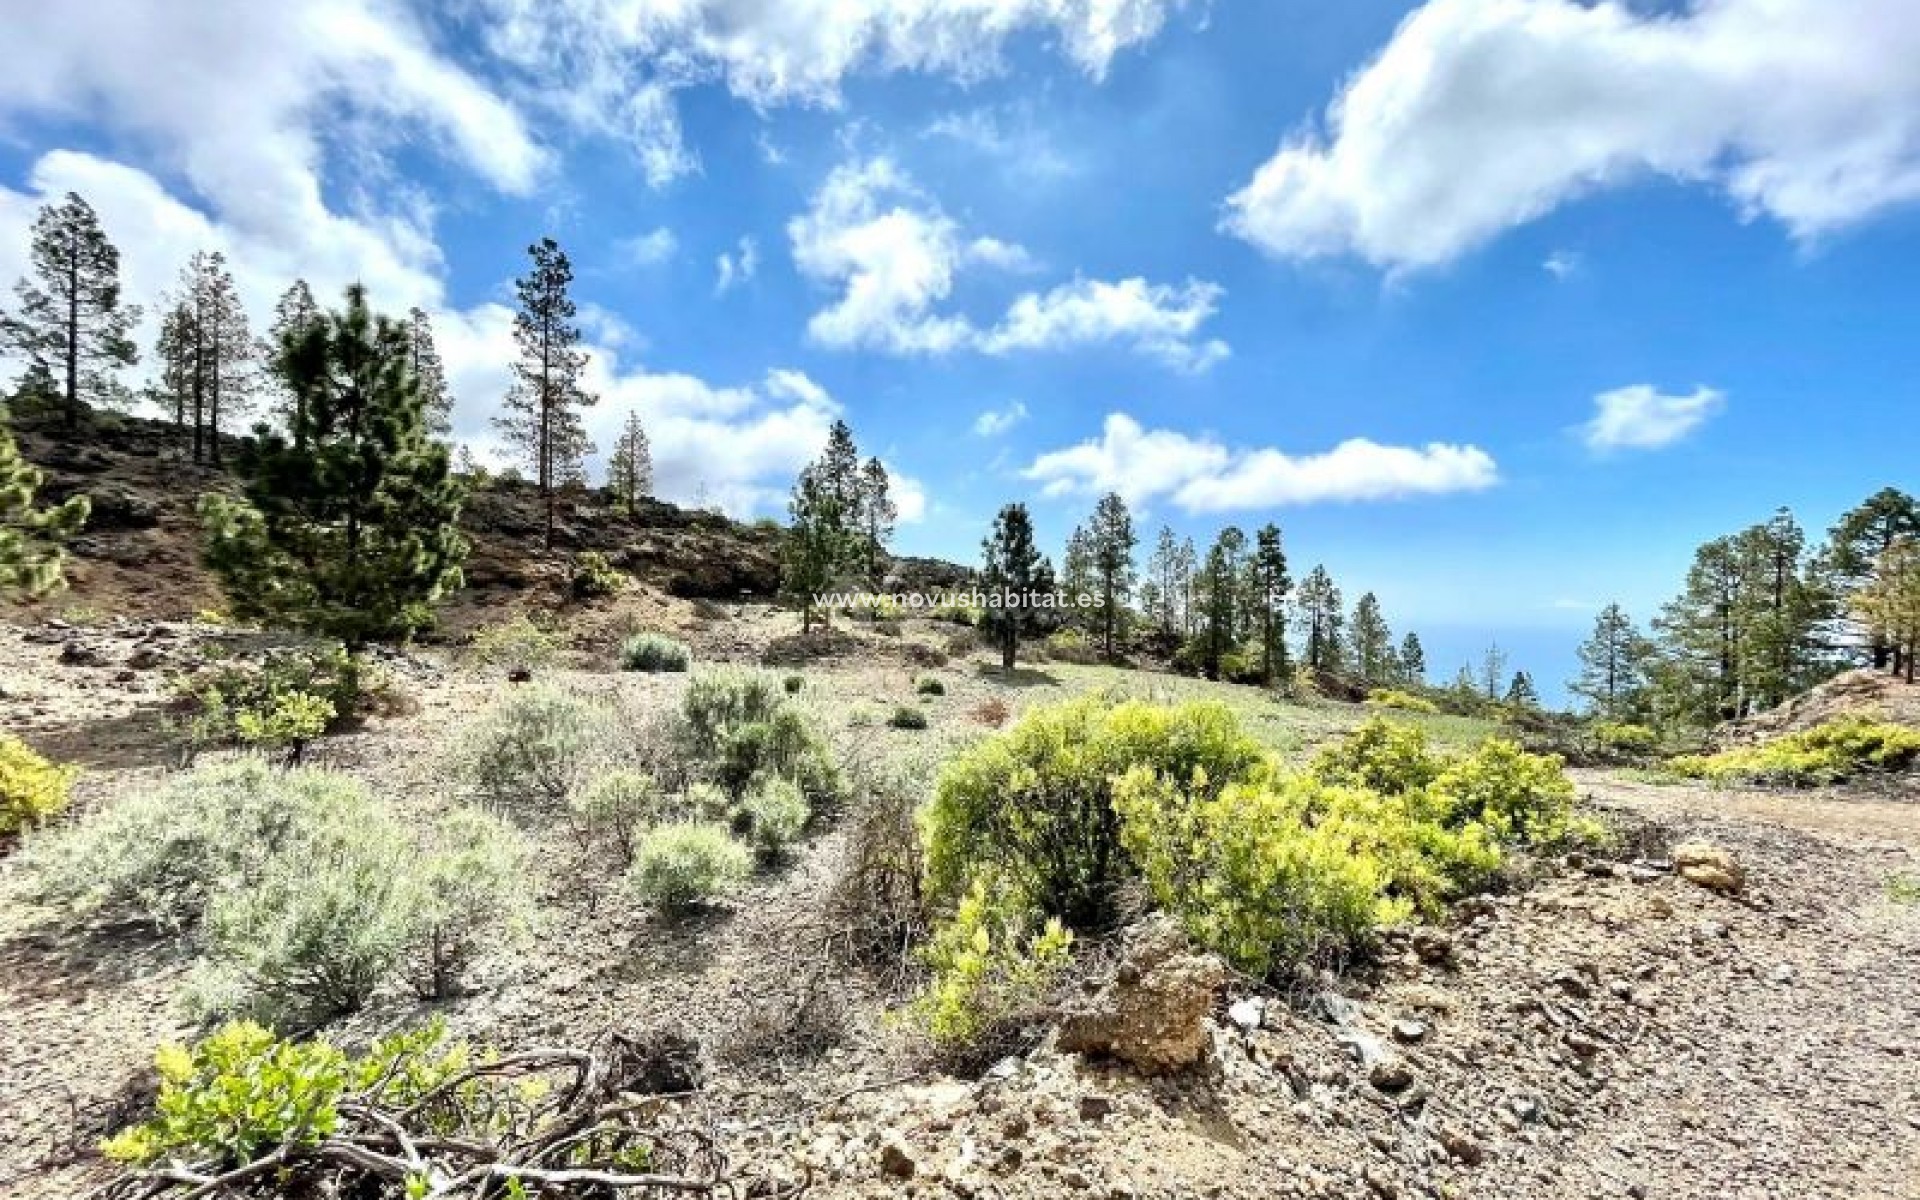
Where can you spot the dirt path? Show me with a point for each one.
(1885, 814)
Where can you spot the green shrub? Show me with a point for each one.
(1828, 753)
(774, 813)
(235, 1095)
(33, 790)
(678, 866)
(241, 1092)
(992, 963)
(1036, 801)
(653, 653)
(287, 720)
(1250, 874)
(927, 685)
(740, 726)
(473, 893)
(302, 890)
(1518, 797)
(613, 807)
(1381, 755)
(530, 747)
(1071, 646)
(283, 700)
(905, 716)
(1403, 701)
(516, 646)
(793, 684)
(593, 576)
(703, 801)
(1625, 738)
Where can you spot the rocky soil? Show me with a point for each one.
(1616, 1029)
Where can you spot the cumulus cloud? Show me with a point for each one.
(1481, 115)
(1158, 320)
(1202, 475)
(996, 421)
(1642, 418)
(894, 258)
(648, 249)
(737, 266)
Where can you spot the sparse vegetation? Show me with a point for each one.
(530, 749)
(927, 685)
(594, 577)
(905, 716)
(991, 966)
(1403, 701)
(774, 813)
(613, 808)
(517, 645)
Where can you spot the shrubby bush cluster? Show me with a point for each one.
(517, 646)
(680, 864)
(532, 748)
(33, 790)
(284, 700)
(593, 576)
(1266, 866)
(653, 653)
(1828, 753)
(992, 964)
(906, 716)
(1403, 701)
(1622, 737)
(304, 893)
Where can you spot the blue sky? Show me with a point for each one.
(1497, 307)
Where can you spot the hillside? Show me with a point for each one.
(139, 555)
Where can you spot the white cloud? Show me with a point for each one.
(737, 266)
(1200, 474)
(894, 258)
(1155, 319)
(1011, 137)
(996, 421)
(1641, 418)
(1561, 263)
(648, 249)
(1481, 115)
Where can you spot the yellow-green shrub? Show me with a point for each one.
(33, 790)
(1404, 701)
(1625, 737)
(1829, 752)
(1381, 755)
(992, 962)
(1519, 797)
(1036, 801)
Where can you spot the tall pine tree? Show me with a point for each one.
(1855, 549)
(1613, 666)
(878, 515)
(70, 322)
(435, 396)
(1889, 605)
(1372, 642)
(293, 314)
(1319, 618)
(542, 418)
(1413, 661)
(1111, 540)
(1271, 583)
(630, 466)
(348, 528)
(1014, 573)
(209, 360)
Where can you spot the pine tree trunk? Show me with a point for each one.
(73, 339)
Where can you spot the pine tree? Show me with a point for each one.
(1112, 542)
(1413, 661)
(630, 467)
(1889, 605)
(1163, 571)
(1493, 666)
(435, 396)
(1856, 546)
(878, 515)
(1521, 692)
(1220, 592)
(1372, 642)
(839, 469)
(818, 543)
(30, 554)
(1079, 579)
(1613, 666)
(1319, 618)
(293, 314)
(1015, 574)
(70, 322)
(348, 526)
(1271, 583)
(542, 417)
(209, 360)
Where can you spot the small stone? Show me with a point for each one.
(896, 1159)
(1433, 946)
(1781, 974)
(1247, 1013)
(1380, 1182)
(1095, 1108)
(1390, 1074)
(1710, 867)
(1460, 1144)
(1409, 1031)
